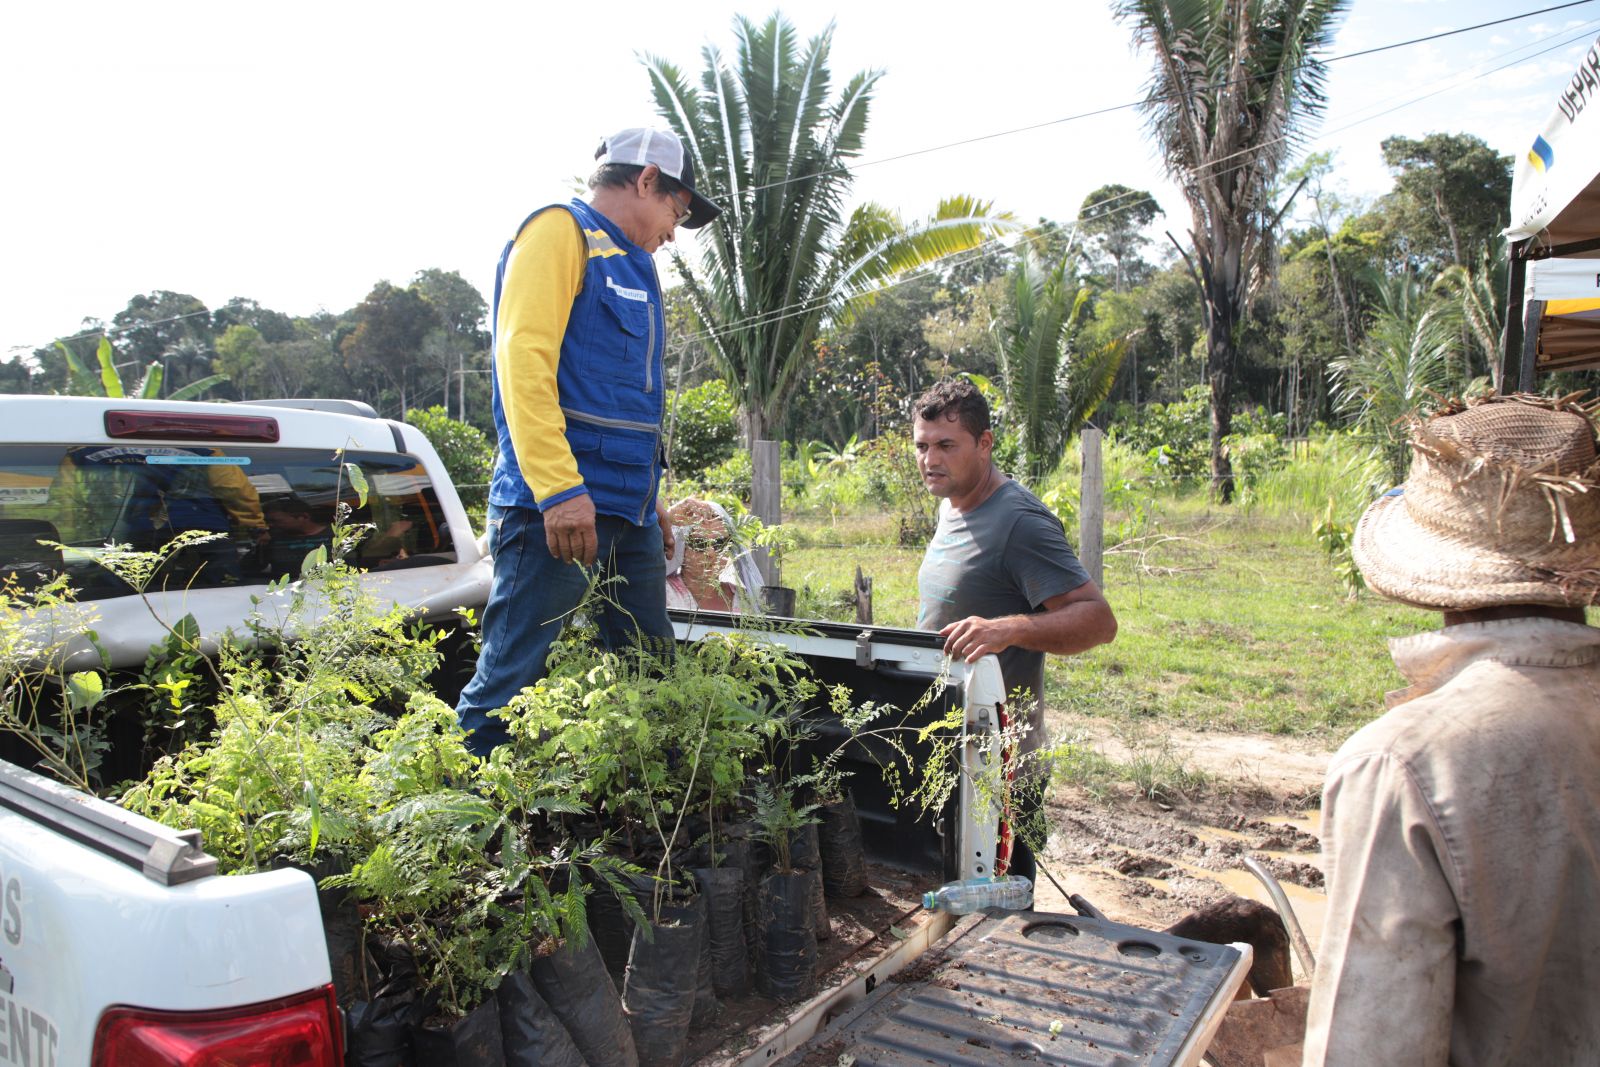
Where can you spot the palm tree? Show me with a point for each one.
(1479, 292)
(1050, 390)
(189, 359)
(1234, 83)
(1402, 366)
(771, 147)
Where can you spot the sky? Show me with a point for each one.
(296, 153)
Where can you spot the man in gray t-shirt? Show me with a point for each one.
(999, 575)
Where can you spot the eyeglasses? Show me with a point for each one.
(684, 212)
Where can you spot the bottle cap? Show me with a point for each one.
(928, 901)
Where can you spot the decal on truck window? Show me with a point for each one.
(200, 461)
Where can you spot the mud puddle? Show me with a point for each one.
(1149, 864)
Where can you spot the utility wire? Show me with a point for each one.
(1131, 104)
(109, 331)
(808, 306)
(1035, 126)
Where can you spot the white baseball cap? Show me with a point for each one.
(640, 146)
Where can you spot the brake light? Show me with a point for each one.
(173, 424)
(299, 1031)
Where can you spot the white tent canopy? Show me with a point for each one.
(1564, 279)
(1554, 191)
(1554, 320)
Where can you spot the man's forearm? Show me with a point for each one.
(1075, 627)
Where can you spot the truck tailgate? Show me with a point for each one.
(85, 926)
(1042, 988)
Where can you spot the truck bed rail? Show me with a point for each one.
(160, 853)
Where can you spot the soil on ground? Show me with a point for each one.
(1148, 862)
(1142, 861)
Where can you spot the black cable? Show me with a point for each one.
(1137, 103)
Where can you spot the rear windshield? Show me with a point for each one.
(270, 506)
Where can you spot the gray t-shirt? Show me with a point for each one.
(1006, 556)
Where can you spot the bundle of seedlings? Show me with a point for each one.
(661, 751)
(786, 957)
(839, 843)
(462, 874)
(452, 860)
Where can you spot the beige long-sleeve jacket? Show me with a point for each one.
(1462, 838)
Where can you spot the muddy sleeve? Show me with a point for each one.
(1385, 978)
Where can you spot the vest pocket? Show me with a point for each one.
(620, 348)
(616, 462)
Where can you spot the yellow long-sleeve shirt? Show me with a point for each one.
(544, 274)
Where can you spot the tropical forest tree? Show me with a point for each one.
(1113, 218)
(383, 353)
(773, 147)
(1452, 196)
(1052, 385)
(1233, 85)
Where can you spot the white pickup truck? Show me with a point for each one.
(120, 945)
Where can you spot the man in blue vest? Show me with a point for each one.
(578, 403)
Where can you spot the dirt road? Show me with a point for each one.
(1147, 862)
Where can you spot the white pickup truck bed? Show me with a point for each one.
(103, 907)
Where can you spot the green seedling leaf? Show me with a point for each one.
(314, 803)
(317, 557)
(898, 934)
(358, 482)
(99, 647)
(85, 689)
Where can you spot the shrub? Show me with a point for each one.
(728, 480)
(705, 428)
(1175, 438)
(465, 450)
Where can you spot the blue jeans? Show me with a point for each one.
(533, 596)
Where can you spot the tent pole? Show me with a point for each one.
(1530, 345)
(1511, 357)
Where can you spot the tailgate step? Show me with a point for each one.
(1044, 988)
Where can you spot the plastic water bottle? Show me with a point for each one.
(1011, 892)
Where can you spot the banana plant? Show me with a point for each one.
(82, 381)
(824, 460)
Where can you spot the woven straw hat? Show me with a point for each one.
(1502, 507)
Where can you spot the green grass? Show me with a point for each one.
(1230, 619)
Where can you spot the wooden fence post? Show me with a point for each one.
(863, 594)
(1092, 509)
(766, 497)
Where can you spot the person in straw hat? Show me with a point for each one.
(1462, 828)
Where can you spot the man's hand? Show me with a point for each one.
(973, 637)
(669, 540)
(569, 530)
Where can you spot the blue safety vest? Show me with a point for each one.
(609, 379)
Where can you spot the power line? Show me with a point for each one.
(109, 331)
(15, 349)
(806, 307)
(1132, 104)
(1452, 33)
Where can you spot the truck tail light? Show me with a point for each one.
(177, 425)
(298, 1031)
